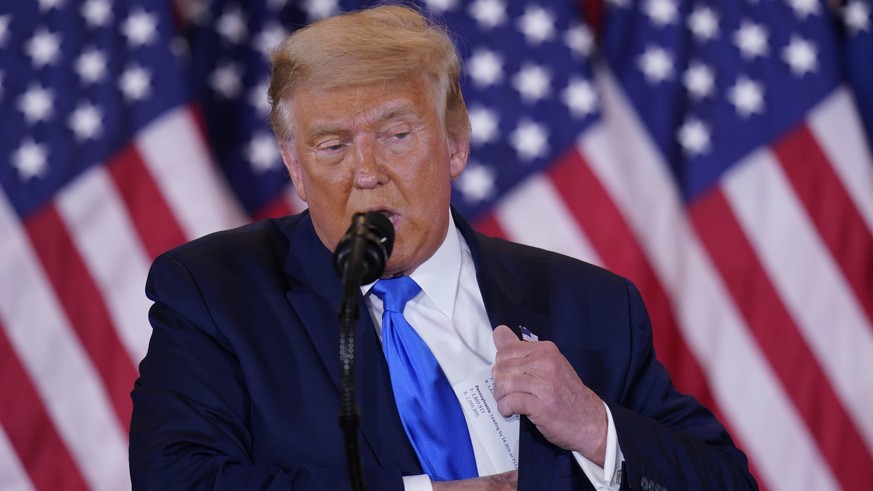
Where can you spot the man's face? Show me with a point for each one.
(381, 148)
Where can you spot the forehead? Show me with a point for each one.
(312, 107)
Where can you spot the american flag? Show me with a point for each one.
(712, 151)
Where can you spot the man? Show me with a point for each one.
(239, 387)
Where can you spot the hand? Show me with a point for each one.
(536, 380)
(508, 481)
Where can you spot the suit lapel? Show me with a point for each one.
(505, 303)
(504, 297)
(315, 294)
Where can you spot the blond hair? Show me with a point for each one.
(375, 45)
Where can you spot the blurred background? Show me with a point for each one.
(715, 152)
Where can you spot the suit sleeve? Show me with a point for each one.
(669, 439)
(191, 406)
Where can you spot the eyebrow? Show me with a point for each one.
(400, 109)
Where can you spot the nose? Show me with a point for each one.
(369, 172)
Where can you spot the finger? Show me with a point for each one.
(503, 336)
(508, 382)
(510, 477)
(541, 359)
(518, 403)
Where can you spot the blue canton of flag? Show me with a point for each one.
(78, 81)
(714, 80)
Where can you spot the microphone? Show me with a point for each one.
(364, 249)
(359, 259)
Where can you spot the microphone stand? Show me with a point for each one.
(348, 315)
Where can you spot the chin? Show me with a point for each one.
(396, 266)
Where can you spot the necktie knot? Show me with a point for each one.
(395, 292)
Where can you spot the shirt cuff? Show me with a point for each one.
(417, 483)
(607, 477)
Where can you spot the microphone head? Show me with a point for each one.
(373, 233)
(383, 231)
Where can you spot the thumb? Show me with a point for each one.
(503, 336)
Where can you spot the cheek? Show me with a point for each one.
(327, 184)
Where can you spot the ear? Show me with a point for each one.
(459, 152)
(293, 166)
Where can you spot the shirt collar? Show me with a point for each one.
(438, 276)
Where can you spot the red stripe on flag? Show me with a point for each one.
(84, 307)
(838, 221)
(592, 11)
(609, 233)
(779, 339)
(277, 207)
(30, 430)
(155, 223)
(489, 225)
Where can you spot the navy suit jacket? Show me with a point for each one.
(239, 389)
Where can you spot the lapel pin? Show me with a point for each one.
(526, 335)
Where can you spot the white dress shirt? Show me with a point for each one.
(449, 315)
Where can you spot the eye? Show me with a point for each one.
(330, 147)
(400, 135)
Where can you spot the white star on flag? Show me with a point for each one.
(699, 80)
(751, 39)
(270, 37)
(484, 125)
(263, 153)
(44, 48)
(662, 12)
(801, 56)
(488, 13)
(320, 9)
(258, 98)
(747, 96)
(804, 8)
(856, 15)
(485, 67)
(440, 6)
(694, 137)
(476, 183)
(97, 13)
(703, 23)
(579, 39)
(135, 83)
(46, 5)
(537, 24)
(37, 104)
(226, 80)
(86, 122)
(91, 66)
(529, 139)
(30, 160)
(232, 25)
(580, 97)
(140, 28)
(656, 64)
(532, 82)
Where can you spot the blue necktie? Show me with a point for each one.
(428, 408)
